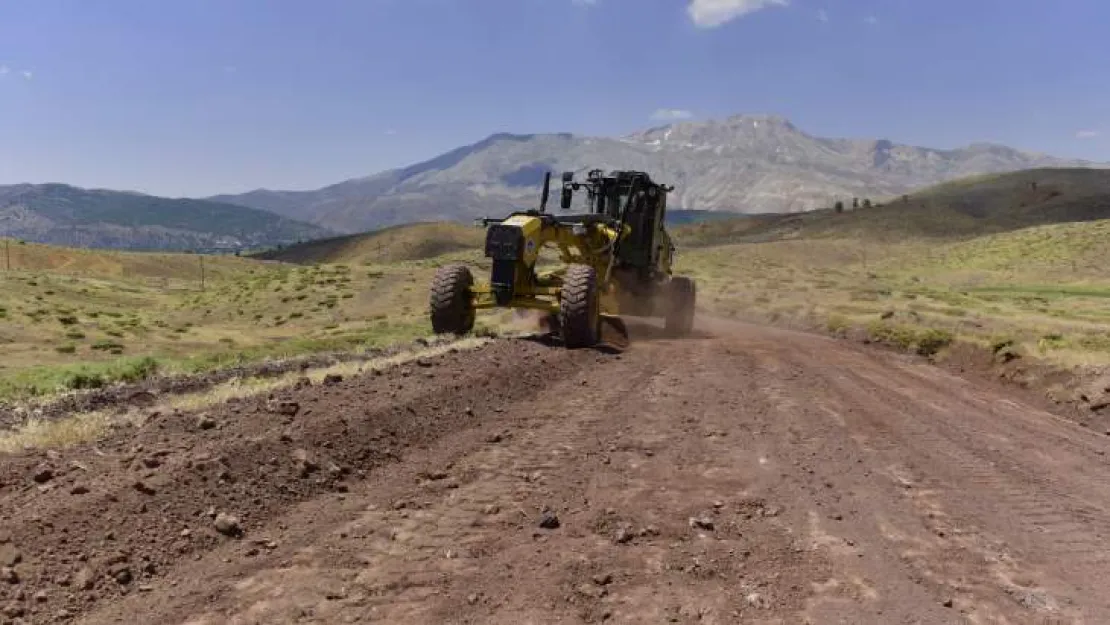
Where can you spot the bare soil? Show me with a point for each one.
(743, 475)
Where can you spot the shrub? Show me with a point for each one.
(837, 324)
(80, 380)
(137, 370)
(107, 345)
(932, 341)
(899, 336)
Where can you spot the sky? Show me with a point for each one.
(192, 98)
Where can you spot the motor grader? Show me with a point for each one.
(616, 259)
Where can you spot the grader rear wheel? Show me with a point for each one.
(452, 310)
(580, 307)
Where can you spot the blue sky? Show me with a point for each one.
(189, 98)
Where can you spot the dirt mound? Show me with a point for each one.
(93, 523)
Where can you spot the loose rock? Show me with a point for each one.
(590, 590)
(227, 524)
(85, 579)
(304, 463)
(10, 556)
(332, 379)
(757, 600)
(702, 522)
(549, 520)
(43, 474)
(143, 487)
(206, 422)
(287, 408)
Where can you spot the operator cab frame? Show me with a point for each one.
(625, 197)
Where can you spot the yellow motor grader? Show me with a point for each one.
(616, 260)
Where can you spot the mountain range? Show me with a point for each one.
(741, 164)
(65, 215)
(744, 163)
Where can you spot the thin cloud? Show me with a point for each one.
(1087, 134)
(670, 115)
(713, 13)
(28, 74)
(871, 20)
(4, 69)
(822, 15)
(583, 3)
(390, 132)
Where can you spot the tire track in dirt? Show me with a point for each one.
(1063, 509)
(936, 441)
(625, 457)
(752, 475)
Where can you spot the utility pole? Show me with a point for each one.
(8, 254)
(201, 257)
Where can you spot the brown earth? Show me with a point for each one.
(744, 475)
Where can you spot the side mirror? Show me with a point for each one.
(568, 193)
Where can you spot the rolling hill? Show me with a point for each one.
(417, 241)
(745, 163)
(959, 209)
(64, 215)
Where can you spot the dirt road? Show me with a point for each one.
(744, 475)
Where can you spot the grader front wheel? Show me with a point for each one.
(580, 307)
(452, 310)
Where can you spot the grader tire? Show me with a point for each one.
(680, 313)
(451, 308)
(580, 307)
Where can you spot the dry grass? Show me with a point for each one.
(100, 317)
(84, 427)
(72, 318)
(399, 243)
(1042, 288)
